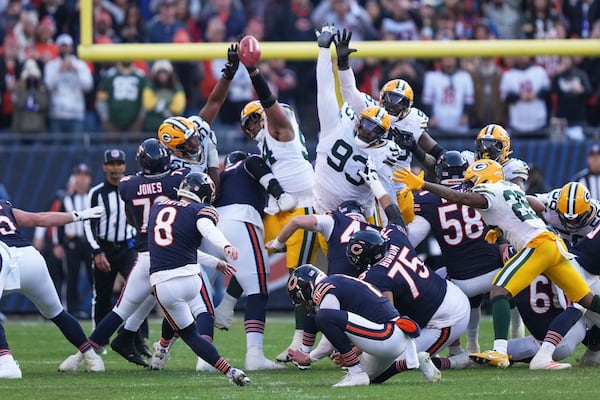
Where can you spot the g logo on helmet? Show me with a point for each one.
(479, 166)
(587, 197)
(165, 137)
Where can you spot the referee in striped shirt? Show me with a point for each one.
(590, 176)
(110, 237)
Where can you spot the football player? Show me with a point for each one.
(176, 229)
(281, 144)
(155, 181)
(345, 141)
(505, 209)
(396, 96)
(471, 263)
(356, 318)
(24, 271)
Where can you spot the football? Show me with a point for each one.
(249, 51)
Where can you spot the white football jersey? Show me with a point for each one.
(338, 157)
(512, 167)
(448, 95)
(525, 115)
(550, 215)
(415, 122)
(289, 162)
(509, 210)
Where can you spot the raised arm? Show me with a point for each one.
(219, 93)
(55, 218)
(327, 104)
(350, 93)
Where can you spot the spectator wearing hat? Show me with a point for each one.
(110, 237)
(164, 95)
(68, 79)
(30, 100)
(70, 243)
(590, 176)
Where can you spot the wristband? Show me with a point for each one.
(277, 244)
(436, 151)
(378, 189)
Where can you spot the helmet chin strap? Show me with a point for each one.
(361, 143)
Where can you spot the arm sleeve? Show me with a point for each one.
(327, 105)
(418, 230)
(211, 233)
(213, 153)
(325, 224)
(350, 93)
(330, 302)
(91, 201)
(207, 260)
(86, 80)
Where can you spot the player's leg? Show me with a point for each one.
(9, 369)
(204, 314)
(174, 297)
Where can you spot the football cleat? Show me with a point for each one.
(590, 358)
(9, 369)
(256, 361)
(349, 379)
(203, 366)
(223, 316)
(460, 361)
(159, 357)
(141, 346)
(428, 369)
(127, 351)
(544, 361)
(491, 357)
(238, 377)
(72, 363)
(94, 361)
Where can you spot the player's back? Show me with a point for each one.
(459, 231)
(9, 231)
(173, 238)
(140, 192)
(417, 290)
(356, 296)
(239, 187)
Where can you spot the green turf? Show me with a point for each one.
(40, 348)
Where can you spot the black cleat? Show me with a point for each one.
(141, 346)
(127, 351)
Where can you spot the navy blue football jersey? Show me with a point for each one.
(239, 187)
(587, 251)
(538, 305)
(356, 296)
(460, 232)
(417, 290)
(9, 231)
(343, 229)
(173, 238)
(139, 192)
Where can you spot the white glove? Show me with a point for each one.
(286, 202)
(88, 213)
(371, 178)
(272, 207)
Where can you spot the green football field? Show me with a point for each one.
(40, 348)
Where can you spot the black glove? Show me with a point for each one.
(325, 36)
(342, 47)
(404, 139)
(233, 62)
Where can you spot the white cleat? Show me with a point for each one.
(539, 362)
(256, 361)
(460, 361)
(428, 369)
(9, 369)
(223, 316)
(72, 363)
(160, 356)
(238, 377)
(203, 366)
(349, 379)
(473, 346)
(94, 361)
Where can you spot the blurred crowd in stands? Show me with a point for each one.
(47, 88)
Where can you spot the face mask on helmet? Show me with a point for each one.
(190, 149)
(352, 209)
(368, 133)
(574, 206)
(366, 248)
(450, 168)
(395, 104)
(301, 286)
(490, 149)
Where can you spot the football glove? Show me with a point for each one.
(342, 47)
(412, 181)
(286, 202)
(233, 62)
(325, 36)
(492, 236)
(405, 204)
(88, 213)
(371, 178)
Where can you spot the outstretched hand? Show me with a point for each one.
(325, 35)
(404, 139)
(225, 268)
(233, 62)
(412, 181)
(342, 47)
